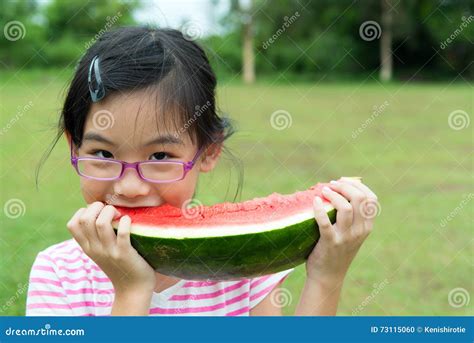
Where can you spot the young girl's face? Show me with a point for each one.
(121, 127)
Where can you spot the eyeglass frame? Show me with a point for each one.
(187, 166)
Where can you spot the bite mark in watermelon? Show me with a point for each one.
(228, 240)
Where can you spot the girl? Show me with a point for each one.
(142, 94)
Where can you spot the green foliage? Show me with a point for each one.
(322, 37)
(431, 39)
(60, 31)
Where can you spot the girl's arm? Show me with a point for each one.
(319, 299)
(132, 303)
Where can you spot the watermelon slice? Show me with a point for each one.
(228, 240)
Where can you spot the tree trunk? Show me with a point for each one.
(386, 63)
(248, 55)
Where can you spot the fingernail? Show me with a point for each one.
(334, 182)
(318, 200)
(326, 189)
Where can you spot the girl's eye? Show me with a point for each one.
(102, 154)
(161, 155)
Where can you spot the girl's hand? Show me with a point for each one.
(92, 228)
(338, 244)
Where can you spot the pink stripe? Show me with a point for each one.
(209, 295)
(75, 249)
(45, 268)
(259, 281)
(47, 293)
(69, 270)
(62, 245)
(199, 309)
(66, 279)
(89, 291)
(49, 305)
(63, 306)
(45, 281)
(67, 260)
(73, 292)
(266, 290)
(239, 311)
(84, 278)
(82, 268)
(199, 283)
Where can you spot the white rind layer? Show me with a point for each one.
(228, 230)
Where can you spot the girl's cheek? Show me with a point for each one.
(177, 193)
(96, 191)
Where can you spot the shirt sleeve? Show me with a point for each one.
(46, 295)
(261, 286)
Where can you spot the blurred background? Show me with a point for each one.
(320, 89)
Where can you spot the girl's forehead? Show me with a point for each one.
(135, 118)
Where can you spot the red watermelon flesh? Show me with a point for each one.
(228, 240)
(256, 211)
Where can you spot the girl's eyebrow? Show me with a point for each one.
(166, 139)
(92, 136)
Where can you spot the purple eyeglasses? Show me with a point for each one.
(105, 169)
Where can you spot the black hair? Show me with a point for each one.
(162, 62)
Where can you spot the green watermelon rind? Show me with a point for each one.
(231, 257)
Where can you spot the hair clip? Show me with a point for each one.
(99, 92)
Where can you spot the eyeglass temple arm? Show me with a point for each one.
(189, 165)
(73, 158)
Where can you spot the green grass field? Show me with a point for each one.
(419, 166)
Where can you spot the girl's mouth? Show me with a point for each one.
(134, 205)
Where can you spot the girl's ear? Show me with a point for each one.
(210, 157)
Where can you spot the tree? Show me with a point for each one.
(248, 54)
(243, 11)
(386, 42)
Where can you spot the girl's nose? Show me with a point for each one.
(131, 185)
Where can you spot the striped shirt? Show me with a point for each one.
(64, 281)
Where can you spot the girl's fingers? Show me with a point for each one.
(103, 225)
(344, 217)
(356, 198)
(350, 192)
(87, 222)
(73, 227)
(123, 233)
(359, 185)
(326, 229)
